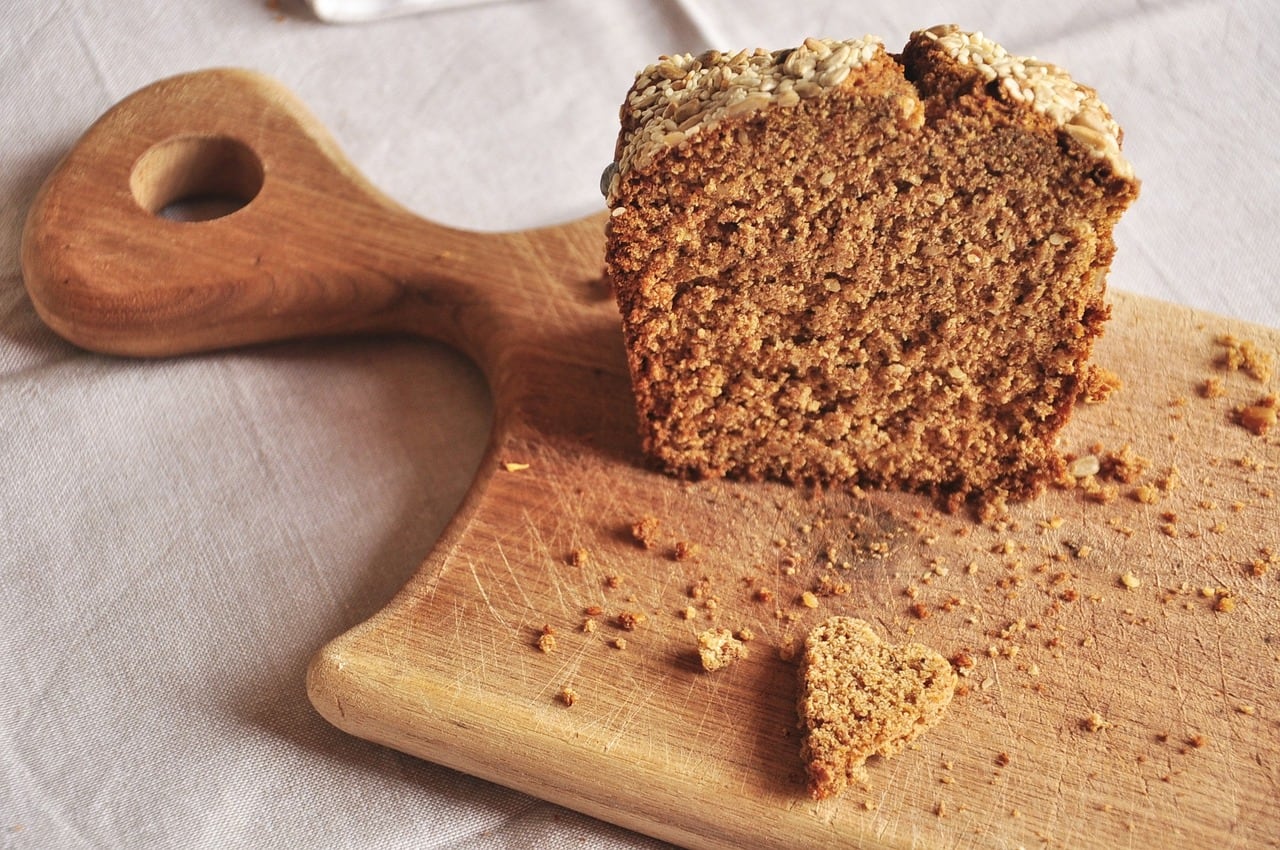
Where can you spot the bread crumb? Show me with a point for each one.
(513, 466)
(620, 643)
(1147, 494)
(963, 663)
(547, 642)
(1102, 494)
(1244, 354)
(579, 558)
(1003, 759)
(1094, 722)
(685, 551)
(568, 696)
(589, 626)
(1246, 710)
(1130, 581)
(830, 586)
(631, 620)
(1212, 388)
(718, 648)
(1123, 465)
(645, 531)
(808, 600)
(1259, 417)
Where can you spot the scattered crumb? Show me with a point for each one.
(1123, 465)
(645, 531)
(1212, 388)
(631, 620)
(685, 551)
(1258, 417)
(620, 642)
(1102, 494)
(1246, 710)
(1094, 722)
(568, 696)
(589, 626)
(718, 648)
(513, 466)
(1244, 354)
(828, 585)
(547, 640)
(613, 581)
(1003, 759)
(1130, 581)
(808, 600)
(1147, 494)
(579, 558)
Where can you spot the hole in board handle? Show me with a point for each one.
(196, 178)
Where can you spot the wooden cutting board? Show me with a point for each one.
(1120, 642)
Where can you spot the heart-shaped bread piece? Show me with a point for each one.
(836, 263)
(860, 696)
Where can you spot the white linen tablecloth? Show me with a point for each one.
(177, 537)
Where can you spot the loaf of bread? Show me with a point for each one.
(860, 697)
(834, 264)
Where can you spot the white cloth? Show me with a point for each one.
(178, 536)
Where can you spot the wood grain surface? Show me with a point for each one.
(1120, 642)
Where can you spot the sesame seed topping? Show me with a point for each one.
(678, 97)
(1040, 86)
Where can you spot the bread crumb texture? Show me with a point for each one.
(860, 696)
(838, 264)
(718, 648)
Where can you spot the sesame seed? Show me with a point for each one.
(1045, 88)
(679, 96)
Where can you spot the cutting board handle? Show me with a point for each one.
(312, 249)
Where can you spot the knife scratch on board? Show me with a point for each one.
(484, 594)
(540, 550)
